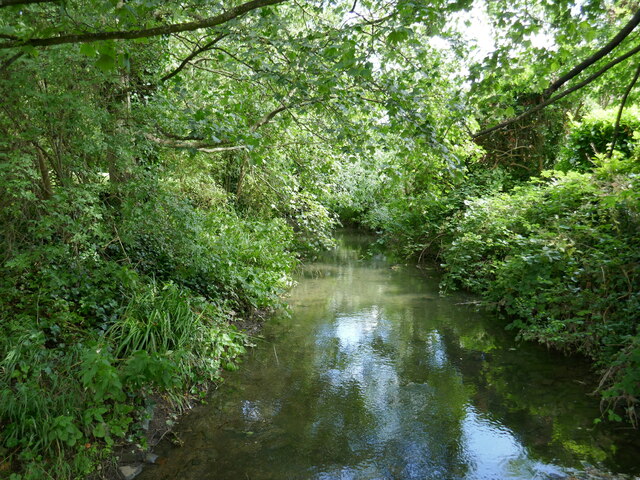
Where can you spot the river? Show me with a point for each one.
(374, 375)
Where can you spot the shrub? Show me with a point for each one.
(416, 225)
(593, 135)
(562, 258)
(109, 293)
(241, 263)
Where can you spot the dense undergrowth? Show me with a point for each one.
(112, 292)
(558, 254)
(126, 264)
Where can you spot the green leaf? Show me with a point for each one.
(99, 431)
(88, 49)
(31, 51)
(106, 63)
(397, 36)
(125, 62)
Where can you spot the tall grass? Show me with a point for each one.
(159, 319)
(61, 405)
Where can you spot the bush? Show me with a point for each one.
(113, 292)
(559, 255)
(240, 264)
(562, 258)
(593, 135)
(415, 226)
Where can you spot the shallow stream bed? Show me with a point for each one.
(376, 376)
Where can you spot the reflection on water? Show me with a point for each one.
(374, 376)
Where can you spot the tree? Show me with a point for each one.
(564, 33)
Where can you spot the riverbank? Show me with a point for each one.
(118, 292)
(128, 461)
(558, 257)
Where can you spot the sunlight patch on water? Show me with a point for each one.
(493, 452)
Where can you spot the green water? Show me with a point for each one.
(375, 376)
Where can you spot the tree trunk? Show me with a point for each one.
(47, 189)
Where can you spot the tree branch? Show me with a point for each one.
(613, 43)
(180, 143)
(222, 149)
(554, 99)
(201, 146)
(148, 32)
(237, 59)
(616, 128)
(173, 136)
(7, 63)
(198, 143)
(269, 116)
(223, 73)
(10, 3)
(192, 55)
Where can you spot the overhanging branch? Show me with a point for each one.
(613, 43)
(623, 102)
(148, 32)
(198, 143)
(188, 144)
(269, 116)
(7, 63)
(192, 55)
(10, 3)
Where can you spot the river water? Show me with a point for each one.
(374, 375)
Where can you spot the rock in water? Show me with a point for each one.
(130, 471)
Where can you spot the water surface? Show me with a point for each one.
(375, 376)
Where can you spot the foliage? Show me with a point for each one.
(64, 401)
(529, 146)
(592, 136)
(559, 256)
(214, 252)
(159, 176)
(415, 225)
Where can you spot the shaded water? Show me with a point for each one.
(375, 376)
